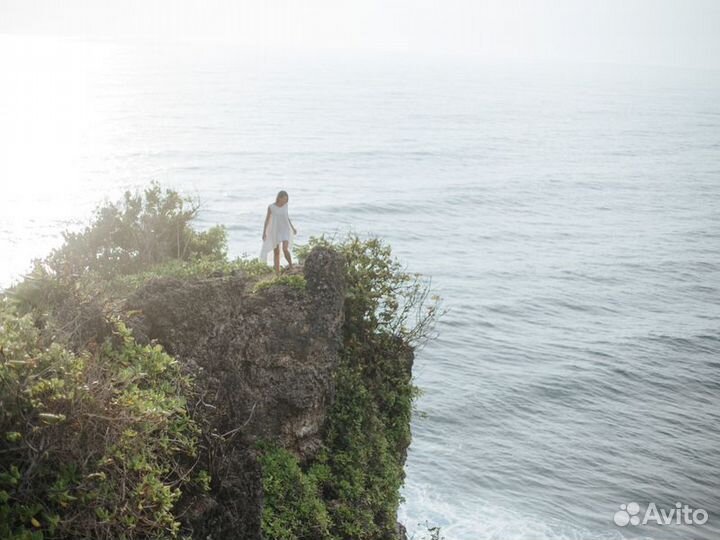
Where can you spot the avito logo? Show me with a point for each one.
(680, 514)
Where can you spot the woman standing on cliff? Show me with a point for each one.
(278, 229)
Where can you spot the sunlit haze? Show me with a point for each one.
(664, 32)
(87, 84)
(551, 166)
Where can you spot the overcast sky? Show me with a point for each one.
(664, 32)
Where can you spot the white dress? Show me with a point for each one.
(278, 229)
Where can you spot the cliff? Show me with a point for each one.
(152, 388)
(264, 364)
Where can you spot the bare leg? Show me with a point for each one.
(286, 251)
(276, 259)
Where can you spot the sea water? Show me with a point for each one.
(569, 216)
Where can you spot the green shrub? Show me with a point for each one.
(294, 509)
(142, 237)
(382, 297)
(140, 231)
(96, 445)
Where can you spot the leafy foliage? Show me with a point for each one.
(141, 231)
(142, 237)
(96, 445)
(294, 509)
(383, 298)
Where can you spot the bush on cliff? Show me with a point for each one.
(92, 445)
(145, 232)
(294, 508)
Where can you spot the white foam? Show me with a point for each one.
(425, 507)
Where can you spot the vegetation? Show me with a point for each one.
(141, 231)
(293, 508)
(146, 235)
(295, 281)
(93, 445)
(359, 472)
(96, 440)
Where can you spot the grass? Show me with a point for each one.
(295, 282)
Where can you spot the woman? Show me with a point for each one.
(278, 229)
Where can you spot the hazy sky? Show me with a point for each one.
(668, 32)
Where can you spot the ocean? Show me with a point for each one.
(568, 215)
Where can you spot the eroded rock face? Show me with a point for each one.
(264, 365)
(263, 360)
